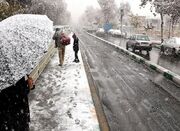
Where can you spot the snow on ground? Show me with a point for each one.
(23, 41)
(62, 99)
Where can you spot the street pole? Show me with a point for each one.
(162, 23)
(122, 14)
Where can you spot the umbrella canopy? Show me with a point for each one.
(23, 41)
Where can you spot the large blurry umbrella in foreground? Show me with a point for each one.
(23, 41)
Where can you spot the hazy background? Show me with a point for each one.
(95, 13)
(77, 7)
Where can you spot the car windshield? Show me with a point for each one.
(143, 37)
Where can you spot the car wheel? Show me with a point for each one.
(127, 46)
(150, 47)
(162, 49)
(174, 52)
(140, 51)
(147, 52)
(134, 48)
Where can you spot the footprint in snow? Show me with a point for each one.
(64, 73)
(69, 114)
(51, 103)
(75, 75)
(71, 99)
(64, 84)
(75, 93)
(77, 121)
(74, 104)
(77, 71)
(63, 78)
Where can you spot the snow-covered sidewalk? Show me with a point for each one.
(62, 100)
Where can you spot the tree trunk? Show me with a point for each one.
(162, 24)
(169, 35)
(172, 34)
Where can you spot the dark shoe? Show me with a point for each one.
(60, 65)
(77, 61)
(33, 87)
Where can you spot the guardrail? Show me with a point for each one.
(43, 62)
(63, 27)
(166, 73)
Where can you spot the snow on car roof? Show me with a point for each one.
(23, 41)
(177, 39)
(141, 35)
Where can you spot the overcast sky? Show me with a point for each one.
(77, 7)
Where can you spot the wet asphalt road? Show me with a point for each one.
(134, 98)
(167, 61)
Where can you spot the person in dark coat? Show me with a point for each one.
(76, 47)
(14, 109)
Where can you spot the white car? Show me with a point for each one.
(116, 32)
(171, 46)
(139, 42)
(100, 32)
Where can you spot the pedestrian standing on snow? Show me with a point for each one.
(58, 44)
(76, 47)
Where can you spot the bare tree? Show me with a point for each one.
(135, 21)
(56, 10)
(8, 8)
(109, 10)
(174, 13)
(165, 7)
(92, 16)
(126, 7)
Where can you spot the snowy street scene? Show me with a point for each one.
(90, 65)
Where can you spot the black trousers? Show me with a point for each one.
(76, 55)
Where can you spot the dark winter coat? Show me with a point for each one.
(76, 44)
(14, 107)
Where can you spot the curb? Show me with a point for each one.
(166, 73)
(157, 46)
(95, 121)
(102, 120)
(43, 62)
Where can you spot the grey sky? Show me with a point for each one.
(77, 7)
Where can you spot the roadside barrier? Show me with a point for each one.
(165, 72)
(43, 62)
